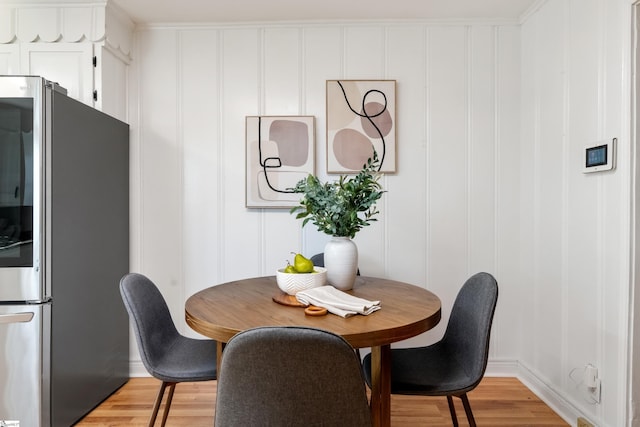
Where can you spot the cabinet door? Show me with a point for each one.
(9, 59)
(68, 64)
(111, 84)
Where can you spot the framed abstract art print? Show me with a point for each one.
(280, 151)
(360, 119)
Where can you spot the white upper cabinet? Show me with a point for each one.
(9, 59)
(62, 43)
(68, 64)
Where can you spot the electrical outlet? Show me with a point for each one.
(584, 423)
(590, 376)
(596, 391)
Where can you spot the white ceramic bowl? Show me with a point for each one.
(292, 283)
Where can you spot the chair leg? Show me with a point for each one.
(158, 402)
(452, 409)
(167, 404)
(467, 410)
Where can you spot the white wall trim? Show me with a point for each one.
(632, 365)
(323, 23)
(531, 10)
(137, 369)
(558, 403)
(514, 368)
(548, 395)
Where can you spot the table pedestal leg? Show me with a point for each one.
(381, 385)
(219, 347)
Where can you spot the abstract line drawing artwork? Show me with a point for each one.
(360, 119)
(280, 151)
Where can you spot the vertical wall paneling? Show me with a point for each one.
(281, 70)
(548, 197)
(482, 145)
(448, 161)
(241, 81)
(281, 88)
(565, 188)
(199, 130)
(507, 320)
(482, 149)
(404, 235)
(527, 263)
(180, 167)
(632, 375)
(160, 165)
(136, 229)
(365, 56)
(576, 92)
(438, 221)
(364, 52)
(583, 212)
(583, 79)
(322, 58)
(615, 122)
(492, 123)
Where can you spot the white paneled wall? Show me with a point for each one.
(492, 121)
(452, 209)
(576, 227)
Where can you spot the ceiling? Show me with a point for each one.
(227, 11)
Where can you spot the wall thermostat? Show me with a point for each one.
(600, 156)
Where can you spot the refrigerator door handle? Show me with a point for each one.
(16, 317)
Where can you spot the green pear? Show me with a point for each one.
(302, 264)
(289, 268)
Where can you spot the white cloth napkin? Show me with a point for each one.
(337, 302)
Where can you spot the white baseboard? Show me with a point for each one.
(513, 368)
(137, 369)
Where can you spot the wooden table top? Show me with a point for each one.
(219, 312)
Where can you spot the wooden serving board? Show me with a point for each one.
(286, 299)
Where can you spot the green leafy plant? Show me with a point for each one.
(341, 207)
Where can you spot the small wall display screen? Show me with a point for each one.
(600, 156)
(596, 156)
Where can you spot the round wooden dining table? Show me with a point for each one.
(221, 311)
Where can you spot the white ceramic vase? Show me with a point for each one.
(341, 262)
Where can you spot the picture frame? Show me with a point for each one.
(280, 151)
(361, 118)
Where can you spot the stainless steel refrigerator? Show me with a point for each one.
(64, 245)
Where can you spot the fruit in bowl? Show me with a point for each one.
(300, 264)
(292, 283)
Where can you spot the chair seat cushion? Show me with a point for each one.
(186, 359)
(427, 371)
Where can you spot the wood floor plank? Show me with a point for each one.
(495, 402)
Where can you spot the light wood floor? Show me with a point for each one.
(495, 402)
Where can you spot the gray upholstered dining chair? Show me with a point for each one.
(166, 354)
(318, 259)
(290, 376)
(454, 365)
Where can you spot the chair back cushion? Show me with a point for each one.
(150, 317)
(469, 327)
(290, 376)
